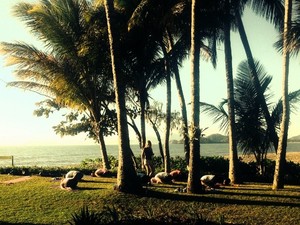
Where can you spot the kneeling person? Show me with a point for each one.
(71, 180)
(164, 177)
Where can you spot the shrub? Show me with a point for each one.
(85, 216)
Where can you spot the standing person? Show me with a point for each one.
(147, 155)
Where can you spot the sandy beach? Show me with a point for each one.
(290, 156)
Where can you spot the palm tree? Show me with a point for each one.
(278, 182)
(155, 116)
(252, 134)
(168, 20)
(272, 11)
(233, 156)
(269, 10)
(293, 37)
(193, 184)
(127, 178)
(168, 108)
(68, 71)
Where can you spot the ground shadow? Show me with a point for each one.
(87, 188)
(225, 192)
(213, 199)
(91, 181)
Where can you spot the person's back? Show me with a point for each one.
(208, 181)
(147, 155)
(73, 173)
(162, 177)
(71, 180)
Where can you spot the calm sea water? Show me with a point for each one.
(71, 155)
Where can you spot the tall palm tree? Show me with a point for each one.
(278, 182)
(168, 109)
(293, 37)
(193, 184)
(233, 156)
(126, 179)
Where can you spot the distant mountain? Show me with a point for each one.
(294, 139)
(214, 138)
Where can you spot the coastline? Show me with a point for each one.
(290, 156)
(75, 154)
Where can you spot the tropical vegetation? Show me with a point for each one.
(101, 57)
(252, 131)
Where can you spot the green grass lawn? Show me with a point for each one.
(39, 200)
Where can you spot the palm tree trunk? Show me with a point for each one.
(160, 147)
(100, 138)
(126, 178)
(133, 125)
(168, 122)
(168, 110)
(105, 161)
(186, 140)
(244, 39)
(278, 182)
(143, 99)
(193, 184)
(233, 156)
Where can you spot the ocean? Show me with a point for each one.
(71, 155)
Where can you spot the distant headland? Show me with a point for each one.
(219, 138)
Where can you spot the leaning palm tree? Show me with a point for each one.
(273, 12)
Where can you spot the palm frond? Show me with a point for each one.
(294, 98)
(272, 10)
(218, 114)
(34, 87)
(57, 23)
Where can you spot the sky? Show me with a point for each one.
(18, 125)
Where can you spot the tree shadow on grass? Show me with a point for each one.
(208, 198)
(257, 194)
(86, 188)
(167, 186)
(90, 181)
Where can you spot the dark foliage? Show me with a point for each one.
(112, 215)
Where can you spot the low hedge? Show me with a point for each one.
(208, 165)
